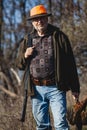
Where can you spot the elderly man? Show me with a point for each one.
(52, 70)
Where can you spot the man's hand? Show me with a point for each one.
(75, 96)
(29, 51)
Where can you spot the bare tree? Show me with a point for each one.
(70, 16)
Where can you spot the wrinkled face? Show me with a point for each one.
(40, 23)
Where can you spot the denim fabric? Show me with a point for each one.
(46, 96)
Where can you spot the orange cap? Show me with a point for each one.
(38, 11)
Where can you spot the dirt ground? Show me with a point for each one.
(10, 112)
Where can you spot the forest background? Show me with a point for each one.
(71, 17)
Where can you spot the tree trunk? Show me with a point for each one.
(1, 8)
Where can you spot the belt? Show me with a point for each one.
(43, 82)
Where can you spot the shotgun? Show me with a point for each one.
(24, 106)
(29, 44)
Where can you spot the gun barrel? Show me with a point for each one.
(24, 107)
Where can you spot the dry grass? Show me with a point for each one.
(10, 112)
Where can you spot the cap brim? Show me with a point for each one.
(39, 15)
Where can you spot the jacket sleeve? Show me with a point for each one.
(72, 68)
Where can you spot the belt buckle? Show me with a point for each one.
(44, 82)
(47, 82)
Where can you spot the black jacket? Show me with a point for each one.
(66, 72)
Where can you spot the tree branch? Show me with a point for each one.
(11, 94)
(16, 75)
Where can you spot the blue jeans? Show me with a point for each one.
(46, 96)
